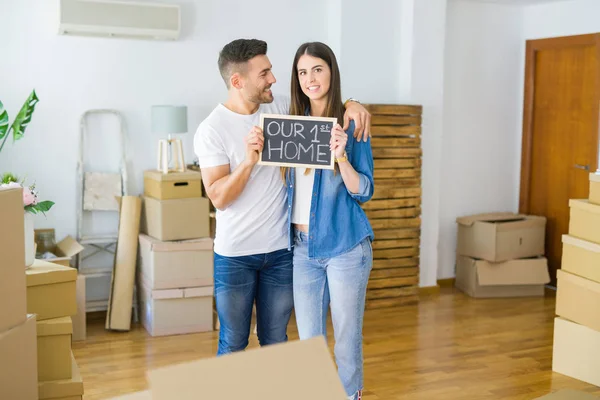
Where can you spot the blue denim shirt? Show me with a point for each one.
(337, 222)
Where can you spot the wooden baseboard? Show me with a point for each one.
(445, 283)
(441, 283)
(429, 290)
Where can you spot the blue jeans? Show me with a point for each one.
(341, 283)
(239, 281)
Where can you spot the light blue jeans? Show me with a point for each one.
(340, 283)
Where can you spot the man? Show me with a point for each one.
(252, 260)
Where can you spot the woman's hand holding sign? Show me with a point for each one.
(339, 138)
(254, 144)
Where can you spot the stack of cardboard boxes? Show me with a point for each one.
(577, 325)
(18, 343)
(51, 295)
(175, 275)
(501, 255)
(36, 306)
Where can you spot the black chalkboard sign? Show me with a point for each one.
(297, 141)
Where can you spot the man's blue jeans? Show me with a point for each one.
(239, 281)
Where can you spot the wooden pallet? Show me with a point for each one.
(395, 209)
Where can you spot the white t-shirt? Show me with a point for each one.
(302, 195)
(255, 222)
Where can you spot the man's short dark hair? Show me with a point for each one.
(234, 56)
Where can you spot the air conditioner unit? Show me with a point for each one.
(120, 19)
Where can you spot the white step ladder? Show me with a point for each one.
(97, 191)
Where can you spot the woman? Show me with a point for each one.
(331, 233)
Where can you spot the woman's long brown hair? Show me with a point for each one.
(300, 103)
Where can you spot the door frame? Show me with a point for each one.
(532, 47)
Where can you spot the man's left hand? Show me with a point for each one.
(362, 120)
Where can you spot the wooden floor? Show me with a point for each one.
(447, 347)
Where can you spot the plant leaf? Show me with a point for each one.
(44, 206)
(3, 121)
(24, 116)
(31, 209)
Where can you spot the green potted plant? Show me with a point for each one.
(31, 204)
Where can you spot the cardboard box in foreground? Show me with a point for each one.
(292, 371)
(13, 296)
(576, 351)
(565, 394)
(18, 361)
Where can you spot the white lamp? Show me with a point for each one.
(170, 120)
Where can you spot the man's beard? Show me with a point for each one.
(261, 97)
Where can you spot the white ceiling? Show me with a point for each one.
(518, 2)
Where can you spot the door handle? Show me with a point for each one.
(583, 167)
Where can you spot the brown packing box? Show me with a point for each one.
(13, 295)
(578, 299)
(177, 264)
(18, 362)
(176, 311)
(581, 258)
(178, 219)
(79, 319)
(594, 196)
(174, 185)
(118, 315)
(576, 351)
(501, 236)
(213, 224)
(569, 394)
(64, 250)
(47, 281)
(291, 371)
(54, 349)
(62, 389)
(515, 278)
(584, 220)
(134, 396)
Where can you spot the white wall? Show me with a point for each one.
(481, 143)
(427, 89)
(563, 18)
(370, 52)
(74, 74)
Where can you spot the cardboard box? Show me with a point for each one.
(291, 371)
(178, 219)
(576, 351)
(515, 278)
(179, 264)
(145, 395)
(174, 185)
(79, 319)
(501, 236)
(581, 258)
(578, 299)
(18, 361)
(63, 389)
(584, 220)
(54, 349)
(569, 394)
(594, 196)
(120, 303)
(51, 290)
(176, 311)
(13, 292)
(213, 224)
(64, 250)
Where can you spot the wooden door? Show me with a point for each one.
(560, 131)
